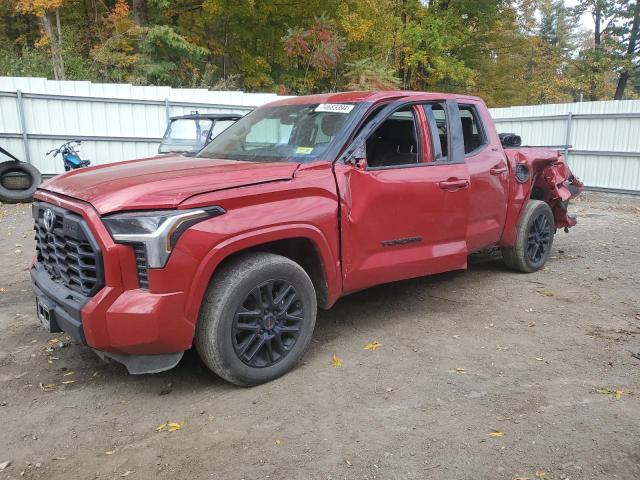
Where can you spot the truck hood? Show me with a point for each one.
(161, 182)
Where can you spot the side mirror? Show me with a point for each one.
(358, 158)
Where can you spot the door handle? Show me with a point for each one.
(453, 184)
(498, 170)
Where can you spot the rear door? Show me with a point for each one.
(487, 166)
(404, 196)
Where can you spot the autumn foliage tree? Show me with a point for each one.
(511, 52)
(48, 14)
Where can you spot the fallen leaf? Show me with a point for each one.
(169, 427)
(68, 382)
(167, 389)
(48, 387)
(545, 292)
(532, 324)
(109, 452)
(2, 290)
(372, 346)
(278, 442)
(617, 394)
(336, 362)
(174, 426)
(541, 475)
(69, 373)
(540, 359)
(127, 473)
(496, 434)
(4, 465)
(458, 370)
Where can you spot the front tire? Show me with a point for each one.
(534, 238)
(257, 319)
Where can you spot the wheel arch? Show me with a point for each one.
(304, 244)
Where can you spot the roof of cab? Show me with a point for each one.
(210, 116)
(366, 96)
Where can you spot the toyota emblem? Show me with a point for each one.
(49, 219)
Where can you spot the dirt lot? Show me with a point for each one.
(539, 353)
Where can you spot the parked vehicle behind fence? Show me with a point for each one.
(298, 203)
(190, 133)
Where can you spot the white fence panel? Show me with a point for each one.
(115, 121)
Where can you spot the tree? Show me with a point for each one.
(316, 49)
(630, 56)
(511, 52)
(369, 74)
(47, 11)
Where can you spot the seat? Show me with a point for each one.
(393, 144)
(471, 140)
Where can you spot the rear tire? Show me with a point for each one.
(8, 183)
(534, 238)
(257, 319)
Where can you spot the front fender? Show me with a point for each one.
(255, 238)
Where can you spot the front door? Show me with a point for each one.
(404, 210)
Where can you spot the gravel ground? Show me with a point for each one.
(484, 374)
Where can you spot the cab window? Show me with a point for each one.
(472, 130)
(395, 142)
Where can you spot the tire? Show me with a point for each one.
(534, 238)
(10, 173)
(236, 308)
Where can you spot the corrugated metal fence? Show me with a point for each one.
(117, 122)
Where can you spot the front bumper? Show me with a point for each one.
(146, 331)
(136, 329)
(64, 306)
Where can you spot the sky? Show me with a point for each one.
(586, 19)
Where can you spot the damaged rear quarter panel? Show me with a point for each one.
(550, 180)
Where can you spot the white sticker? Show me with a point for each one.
(334, 108)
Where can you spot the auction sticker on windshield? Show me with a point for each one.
(334, 108)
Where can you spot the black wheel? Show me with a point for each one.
(257, 319)
(18, 181)
(533, 240)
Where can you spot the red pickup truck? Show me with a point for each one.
(300, 202)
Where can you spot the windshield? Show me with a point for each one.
(287, 133)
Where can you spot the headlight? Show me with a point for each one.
(158, 231)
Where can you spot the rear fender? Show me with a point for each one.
(549, 179)
(558, 185)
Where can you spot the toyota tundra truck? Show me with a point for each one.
(300, 202)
